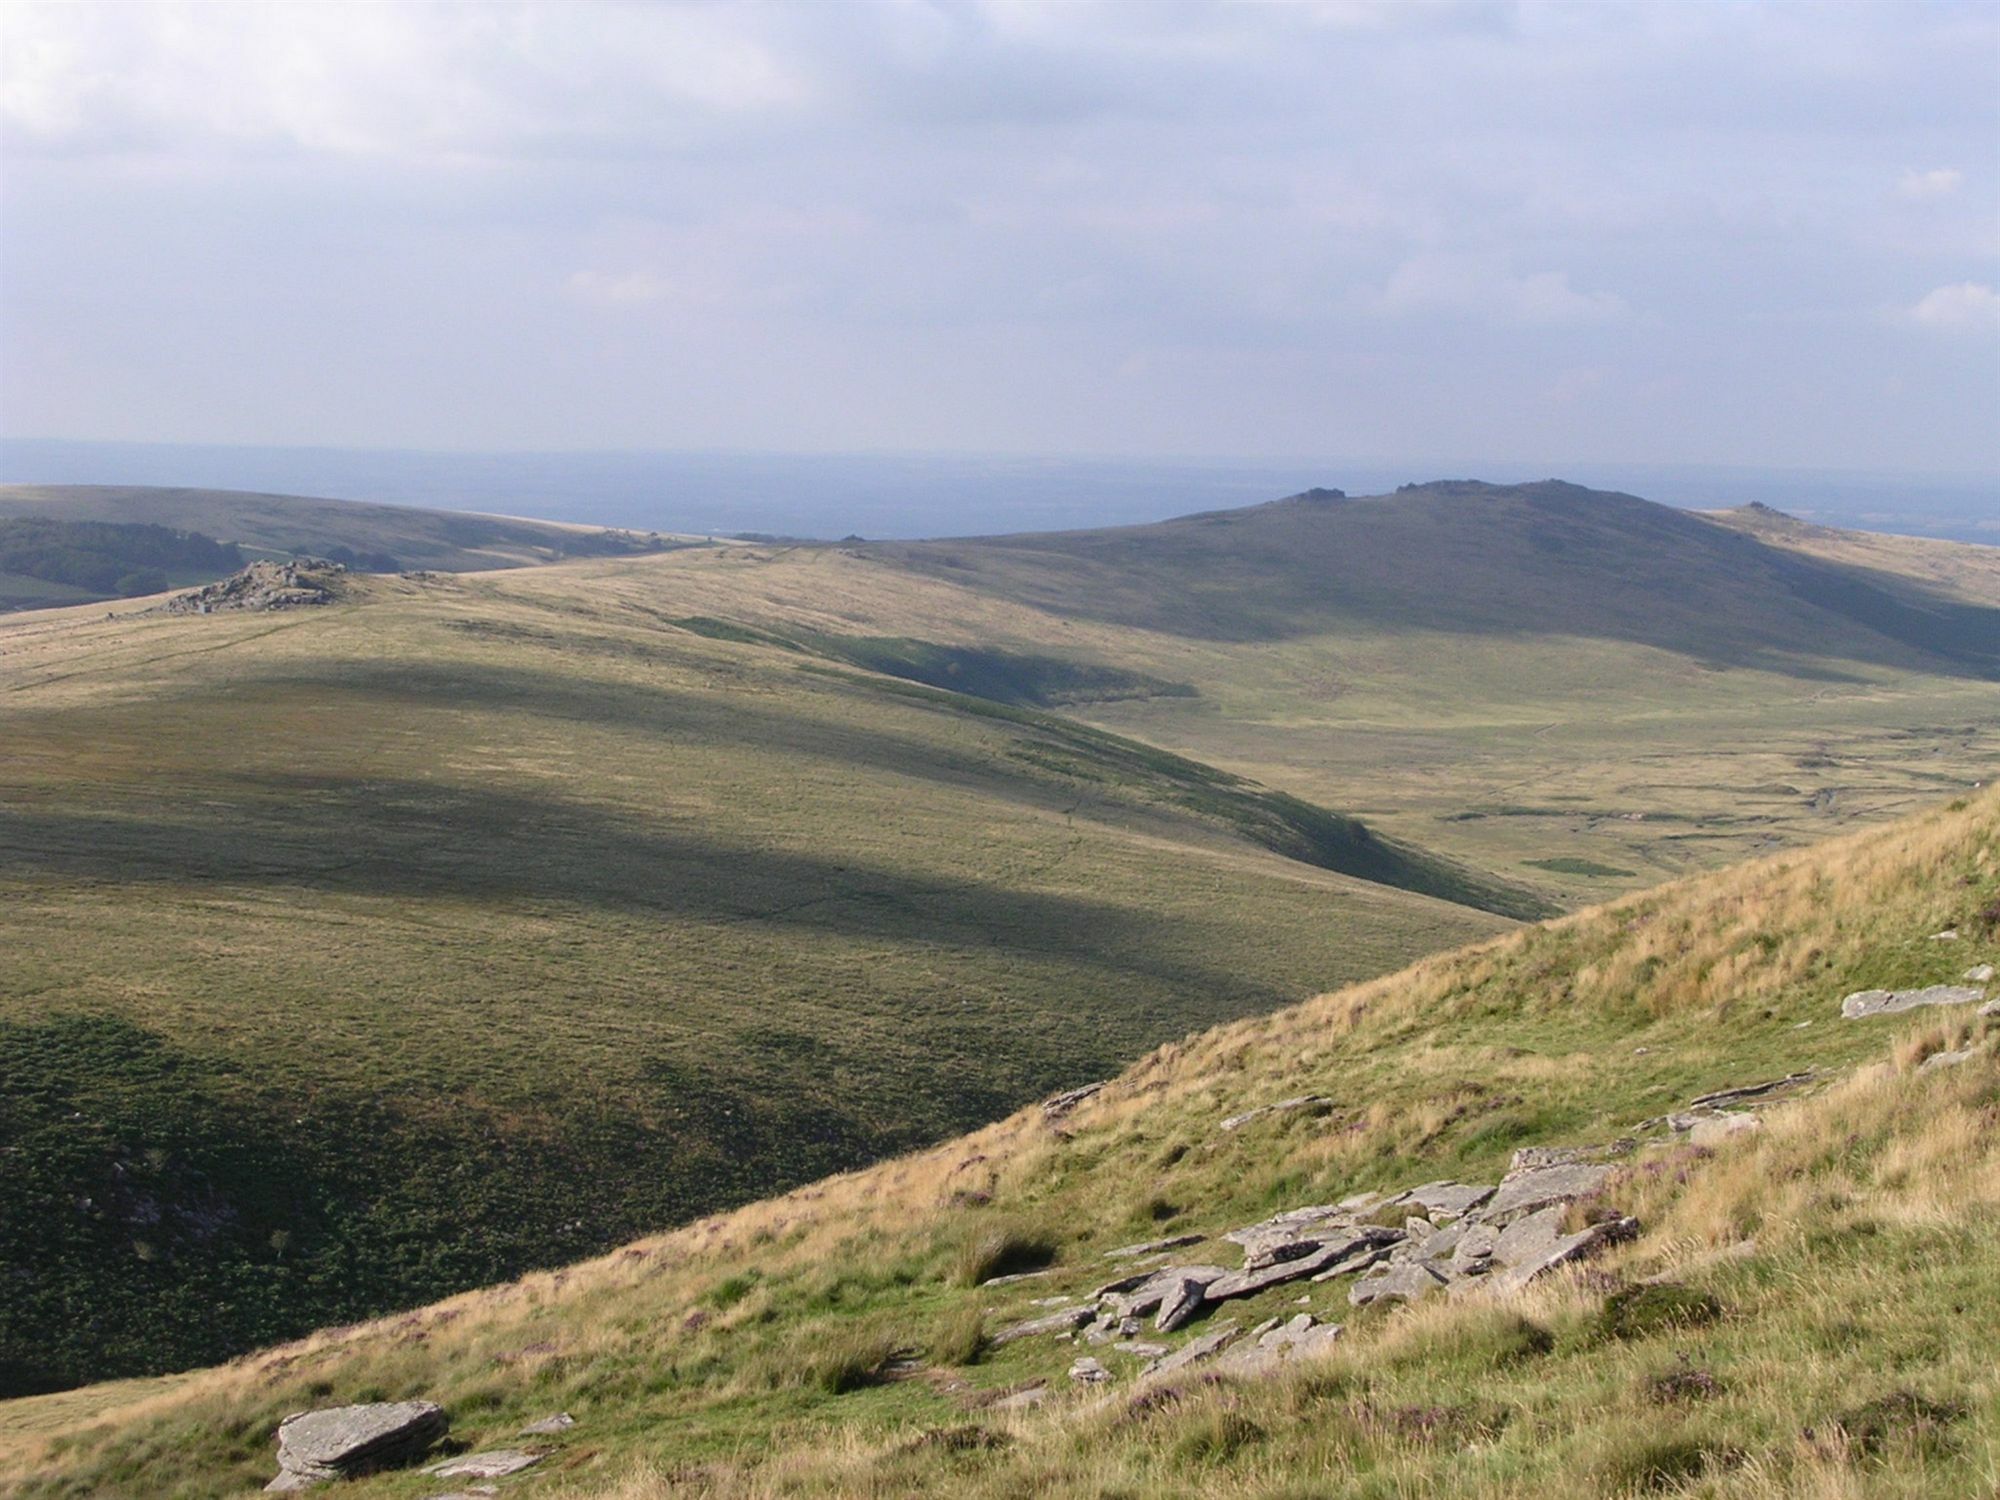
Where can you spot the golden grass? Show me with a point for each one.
(1735, 977)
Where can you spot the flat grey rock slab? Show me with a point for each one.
(1017, 1276)
(1567, 1248)
(1864, 1003)
(1408, 1281)
(562, 1421)
(1180, 1302)
(1455, 1199)
(1535, 1187)
(1303, 1337)
(1089, 1371)
(1141, 1348)
(1749, 1091)
(340, 1441)
(1154, 1247)
(1295, 1232)
(1066, 1321)
(1330, 1252)
(495, 1463)
(1020, 1400)
(1152, 1291)
(1195, 1351)
(1283, 1106)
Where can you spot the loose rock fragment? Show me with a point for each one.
(1065, 1321)
(1864, 1003)
(341, 1442)
(1195, 1351)
(494, 1464)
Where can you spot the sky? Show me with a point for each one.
(1698, 231)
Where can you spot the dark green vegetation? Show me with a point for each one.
(368, 538)
(356, 956)
(1546, 559)
(73, 562)
(1799, 1318)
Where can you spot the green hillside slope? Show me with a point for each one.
(1586, 690)
(375, 538)
(1800, 1312)
(353, 955)
(1544, 559)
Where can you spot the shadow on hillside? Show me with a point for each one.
(1533, 560)
(436, 840)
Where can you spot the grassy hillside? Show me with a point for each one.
(356, 955)
(1832, 1271)
(1587, 691)
(374, 538)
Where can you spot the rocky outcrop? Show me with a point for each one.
(1271, 1344)
(1864, 1003)
(342, 1442)
(494, 1464)
(299, 584)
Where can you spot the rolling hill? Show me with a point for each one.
(357, 954)
(377, 538)
(360, 954)
(1586, 690)
(1788, 1294)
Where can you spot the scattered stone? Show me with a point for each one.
(1088, 1371)
(1152, 1291)
(496, 1463)
(340, 1442)
(1011, 1279)
(1949, 935)
(477, 1492)
(1067, 1320)
(1864, 1003)
(1369, 1240)
(1027, 1396)
(1057, 1105)
(1302, 1337)
(1452, 1199)
(1530, 1235)
(1181, 1301)
(1050, 1301)
(1979, 974)
(1154, 1247)
(1408, 1281)
(1283, 1106)
(1528, 1188)
(1749, 1091)
(1566, 1249)
(300, 583)
(562, 1421)
(1990, 1008)
(1141, 1348)
(1945, 1060)
(1195, 1351)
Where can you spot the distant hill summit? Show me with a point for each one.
(368, 537)
(1463, 556)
